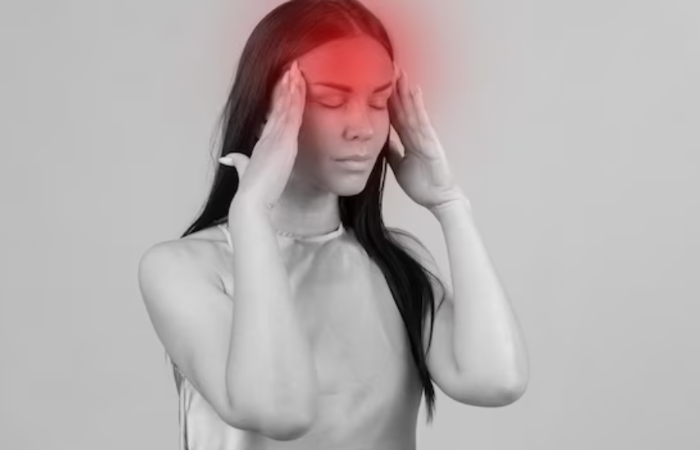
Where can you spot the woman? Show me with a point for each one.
(293, 317)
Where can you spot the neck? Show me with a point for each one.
(305, 212)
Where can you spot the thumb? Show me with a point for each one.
(237, 160)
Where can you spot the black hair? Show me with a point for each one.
(282, 36)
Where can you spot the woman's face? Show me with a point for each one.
(347, 119)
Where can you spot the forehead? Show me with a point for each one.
(359, 62)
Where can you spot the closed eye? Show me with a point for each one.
(378, 106)
(340, 106)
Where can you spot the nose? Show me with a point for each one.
(360, 126)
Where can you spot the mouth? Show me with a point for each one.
(356, 158)
(355, 164)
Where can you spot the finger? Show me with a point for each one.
(395, 100)
(282, 93)
(237, 160)
(295, 107)
(395, 116)
(240, 162)
(419, 107)
(287, 101)
(299, 100)
(302, 85)
(399, 106)
(289, 112)
(407, 101)
(277, 93)
(276, 121)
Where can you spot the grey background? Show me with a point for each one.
(572, 126)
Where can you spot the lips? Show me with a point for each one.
(358, 158)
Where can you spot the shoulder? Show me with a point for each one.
(203, 252)
(212, 234)
(197, 245)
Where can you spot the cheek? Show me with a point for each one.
(316, 129)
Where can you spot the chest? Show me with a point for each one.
(368, 384)
(355, 331)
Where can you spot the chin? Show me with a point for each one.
(347, 186)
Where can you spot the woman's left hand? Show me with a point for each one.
(422, 170)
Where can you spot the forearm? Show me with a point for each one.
(270, 368)
(487, 338)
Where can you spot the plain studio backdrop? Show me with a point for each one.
(571, 126)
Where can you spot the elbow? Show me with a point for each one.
(490, 395)
(292, 419)
(510, 393)
(276, 428)
(508, 396)
(509, 390)
(289, 432)
(279, 420)
(277, 424)
(287, 427)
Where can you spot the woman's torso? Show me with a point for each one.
(369, 390)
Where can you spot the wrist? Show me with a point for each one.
(243, 206)
(460, 203)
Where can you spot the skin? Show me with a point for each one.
(309, 204)
(379, 386)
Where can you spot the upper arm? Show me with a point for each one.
(192, 318)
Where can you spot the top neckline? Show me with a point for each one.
(317, 238)
(313, 238)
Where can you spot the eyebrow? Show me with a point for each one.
(344, 88)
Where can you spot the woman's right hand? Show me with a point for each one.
(264, 176)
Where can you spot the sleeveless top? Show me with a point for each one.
(319, 268)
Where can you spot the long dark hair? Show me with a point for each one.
(286, 33)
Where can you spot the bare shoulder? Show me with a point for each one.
(206, 252)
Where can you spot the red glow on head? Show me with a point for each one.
(414, 35)
(415, 45)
